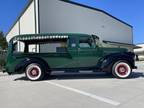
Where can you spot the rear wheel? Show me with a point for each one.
(121, 69)
(34, 72)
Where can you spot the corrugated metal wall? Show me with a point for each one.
(27, 21)
(62, 17)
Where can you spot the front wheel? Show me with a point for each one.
(34, 72)
(121, 69)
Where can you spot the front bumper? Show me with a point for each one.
(135, 67)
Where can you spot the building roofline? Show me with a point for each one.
(93, 8)
(139, 43)
(67, 1)
(18, 18)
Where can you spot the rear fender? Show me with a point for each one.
(21, 66)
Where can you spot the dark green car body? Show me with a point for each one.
(71, 51)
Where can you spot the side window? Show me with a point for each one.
(18, 47)
(33, 48)
(72, 42)
(84, 43)
(59, 46)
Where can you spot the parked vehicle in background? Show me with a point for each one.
(39, 54)
(139, 51)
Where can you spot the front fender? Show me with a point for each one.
(108, 61)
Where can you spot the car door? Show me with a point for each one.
(87, 52)
(73, 52)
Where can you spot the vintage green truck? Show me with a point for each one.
(39, 54)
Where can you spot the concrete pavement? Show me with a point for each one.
(73, 91)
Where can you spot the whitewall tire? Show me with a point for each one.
(121, 69)
(34, 72)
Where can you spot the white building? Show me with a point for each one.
(64, 16)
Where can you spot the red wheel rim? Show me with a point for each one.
(122, 69)
(34, 72)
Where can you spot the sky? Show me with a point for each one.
(129, 11)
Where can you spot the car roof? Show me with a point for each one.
(26, 37)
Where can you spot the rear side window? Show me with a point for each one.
(18, 47)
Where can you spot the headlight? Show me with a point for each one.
(105, 61)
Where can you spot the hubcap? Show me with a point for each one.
(122, 69)
(34, 72)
